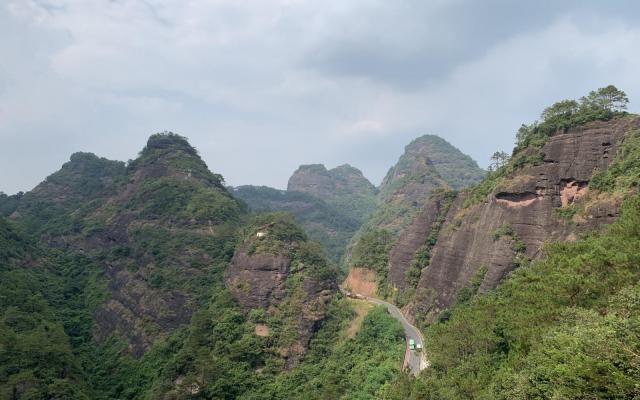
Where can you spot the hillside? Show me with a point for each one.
(428, 165)
(331, 205)
(149, 280)
(343, 187)
(530, 288)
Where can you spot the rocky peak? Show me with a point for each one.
(170, 155)
(316, 180)
(485, 239)
(276, 266)
(432, 156)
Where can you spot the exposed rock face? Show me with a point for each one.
(428, 163)
(411, 239)
(525, 201)
(268, 279)
(362, 281)
(257, 280)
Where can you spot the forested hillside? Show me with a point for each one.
(149, 280)
(564, 325)
(428, 165)
(331, 205)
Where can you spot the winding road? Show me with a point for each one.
(414, 360)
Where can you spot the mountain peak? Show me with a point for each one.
(169, 141)
(433, 153)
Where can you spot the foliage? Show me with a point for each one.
(599, 105)
(564, 327)
(568, 211)
(624, 172)
(498, 159)
(338, 367)
(8, 204)
(178, 199)
(45, 318)
(326, 223)
(372, 251)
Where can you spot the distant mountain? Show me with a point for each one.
(330, 204)
(344, 187)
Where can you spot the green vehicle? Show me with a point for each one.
(412, 344)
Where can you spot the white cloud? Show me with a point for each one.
(284, 82)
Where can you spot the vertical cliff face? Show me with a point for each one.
(276, 272)
(487, 240)
(428, 165)
(419, 233)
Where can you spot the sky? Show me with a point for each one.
(260, 87)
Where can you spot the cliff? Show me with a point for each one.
(428, 165)
(277, 270)
(485, 240)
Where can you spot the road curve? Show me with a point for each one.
(416, 359)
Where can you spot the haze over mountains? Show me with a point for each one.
(333, 204)
(153, 280)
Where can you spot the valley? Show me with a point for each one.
(153, 279)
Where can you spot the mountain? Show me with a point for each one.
(484, 236)
(343, 187)
(330, 204)
(150, 280)
(428, 165)
(526, 285)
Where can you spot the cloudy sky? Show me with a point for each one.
(262, 86)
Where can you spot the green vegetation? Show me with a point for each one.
(506, 230)
(564, 327)
(569, 211)
(624, 172)
(372, 251)
(600, 105)
(45, 318)
(428, 166)
(341, 368)
(326, 223)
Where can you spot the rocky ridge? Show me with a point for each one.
(513, 222)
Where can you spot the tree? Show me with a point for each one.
(563, 109)
(608, 98)
(498, 159)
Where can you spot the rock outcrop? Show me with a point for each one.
(286, 278)
(413, 237)
(429, 163)
(517, 217)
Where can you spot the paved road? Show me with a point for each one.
(416, 359)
